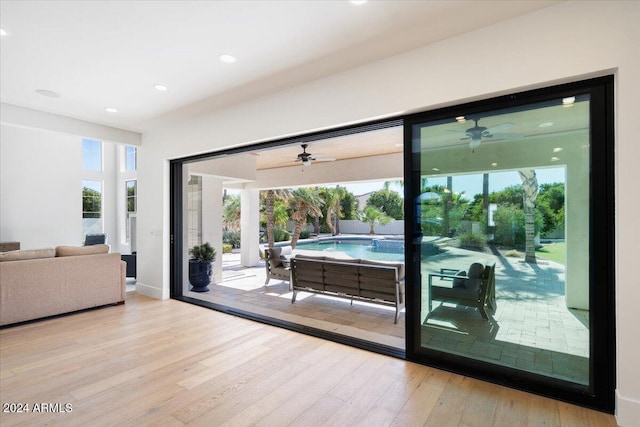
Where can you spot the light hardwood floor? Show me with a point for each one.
(168, 363)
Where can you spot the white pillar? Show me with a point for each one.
(250, 227)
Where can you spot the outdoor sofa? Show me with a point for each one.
(372, 281)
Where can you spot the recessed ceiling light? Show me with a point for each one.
(398, 145)
(226, 58)
(461, 119)
(557, 149)
(435, 169)
(555, 159)
(494, 164)
(568, 100)
(545, 124)
(357, 2)
(4, 32)
(110, 110)
(161, 88)
(49, 93)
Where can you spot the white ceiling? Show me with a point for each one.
(99, 54)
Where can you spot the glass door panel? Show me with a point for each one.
(503, 210)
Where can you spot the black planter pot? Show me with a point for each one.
(200, 274)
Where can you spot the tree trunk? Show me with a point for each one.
(296, 234)
(446, 224)
(329, 221)
(301, 219)
(485, 191)
(529, 195)
(270, 217)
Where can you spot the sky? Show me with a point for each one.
(470, 184)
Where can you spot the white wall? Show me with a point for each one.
(566, 42)
(41, 188)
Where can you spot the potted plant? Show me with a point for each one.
(201, 266)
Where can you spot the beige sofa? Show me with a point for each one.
(46, 282)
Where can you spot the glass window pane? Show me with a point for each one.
(92, 207)
(91, 155)
(504, 210)
(130, 158)
(131, 196)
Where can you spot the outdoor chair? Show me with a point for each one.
(277, 263)
(472, 288)
(95, 239)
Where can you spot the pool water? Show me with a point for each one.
(354, 249)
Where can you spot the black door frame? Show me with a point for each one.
(601, 395)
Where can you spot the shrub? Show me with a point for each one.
(472, 240)
(513, 253)
(280, 235)
(305, 234)
(226, 248)
(204, 252)
(232, 238)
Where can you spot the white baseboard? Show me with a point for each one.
(627, 411)
(150, 291)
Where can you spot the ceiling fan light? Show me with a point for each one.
(306, 162)
(475, 142)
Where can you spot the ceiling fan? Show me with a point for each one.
(307, 158)
(476, 133)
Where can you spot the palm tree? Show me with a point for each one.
(373, 216)
(231, 212)
(529, 195)
(270, 198)
(332, 199)
(303, 201)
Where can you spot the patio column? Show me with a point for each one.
(250, 227)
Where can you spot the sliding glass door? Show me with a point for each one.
(508, 210)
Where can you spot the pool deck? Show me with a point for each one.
(532, 329)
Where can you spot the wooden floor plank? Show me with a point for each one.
(168, 363)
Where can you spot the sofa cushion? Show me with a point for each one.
(305, 256)
(398, 265)
(27, 254)
(278, 254)
(81, 250)
(475, 277)
(459, 282)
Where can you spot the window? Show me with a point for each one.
(92, 207)
(131, 196)
(194, 210)
(91, 155)
(130, 158)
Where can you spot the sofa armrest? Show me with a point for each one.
(123, 279)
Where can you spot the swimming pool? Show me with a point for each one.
(358, 248)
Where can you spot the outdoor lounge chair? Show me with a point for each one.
(475, 288)
(277, 263)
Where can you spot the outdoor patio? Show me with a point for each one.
(531, 330)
